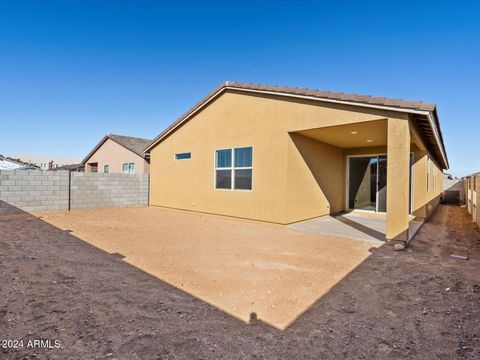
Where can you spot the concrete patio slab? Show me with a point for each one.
(352, 225)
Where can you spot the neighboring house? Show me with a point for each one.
(472, 192)
(48, 162)
(7, 163)
(118, 154)
(283, 155)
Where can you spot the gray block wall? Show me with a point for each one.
(32, 190)
(98, 190)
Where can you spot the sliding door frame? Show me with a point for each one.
(411, 178)
(347, 182)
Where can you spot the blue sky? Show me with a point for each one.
(71, 72)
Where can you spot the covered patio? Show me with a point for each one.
(386, 163)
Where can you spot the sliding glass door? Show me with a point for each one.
(367, 183)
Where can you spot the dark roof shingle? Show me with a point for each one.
(134, 144)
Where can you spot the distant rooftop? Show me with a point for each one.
(134, 144)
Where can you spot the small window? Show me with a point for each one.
(129, 168)
(183, 156)
(233, 169)
(105, 169)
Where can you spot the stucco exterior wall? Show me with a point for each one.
(294, 177)
(115, 155)
(398, 153)
(425, 201)
(189, 184)
(315, 178)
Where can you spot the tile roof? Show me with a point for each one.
(134, 144)
(340, 96)
(296, 91)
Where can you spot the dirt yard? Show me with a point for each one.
(153, 283)
(239, 266)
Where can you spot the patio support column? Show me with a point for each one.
(398, 180)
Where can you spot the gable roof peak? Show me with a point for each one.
(134, 144)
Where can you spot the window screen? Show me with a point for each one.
(233, 168)
(224, 158)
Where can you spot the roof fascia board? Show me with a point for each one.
(186, 118)
(94, 150)
(437, 138)
(383, 107)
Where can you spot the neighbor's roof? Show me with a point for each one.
(71, 167)
(328, 96)
(20, 163)
(134, 144)
(470, 175)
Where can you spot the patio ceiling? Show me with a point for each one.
(363, 134)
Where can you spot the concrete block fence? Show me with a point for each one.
(32, 190)
(95, 190)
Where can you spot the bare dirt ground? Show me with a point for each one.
(239, 266)
(415, 304)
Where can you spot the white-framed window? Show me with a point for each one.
(106, 169)
(129, 168)
(234, 168)
(428, 174)
(183, 156)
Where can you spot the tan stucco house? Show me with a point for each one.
(119, 154)
(283, 155)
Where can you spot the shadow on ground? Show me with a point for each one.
(360, 227)
(415, 304)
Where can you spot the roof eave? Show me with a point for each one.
(432, 115)
(90, 154)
